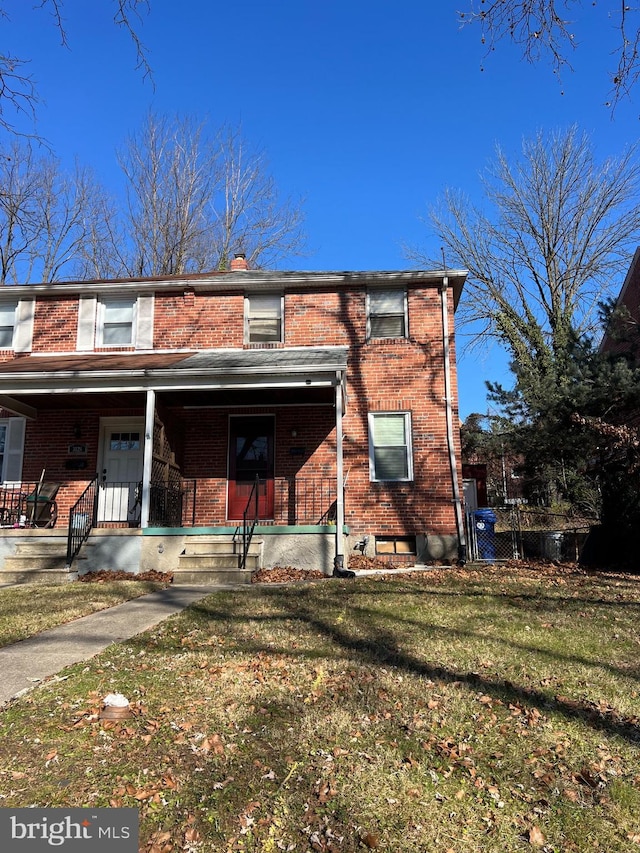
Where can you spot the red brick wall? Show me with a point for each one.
(398, 375)
(55, 324)
(201, 321)
(408, 376)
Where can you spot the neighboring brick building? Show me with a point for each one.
(180, 391)
(623, 336)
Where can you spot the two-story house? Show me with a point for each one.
(169, 411)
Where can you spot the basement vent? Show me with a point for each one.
(400, 545)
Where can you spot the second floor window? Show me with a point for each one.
(7, 324)
(121, 320)
(387, 314)
(117, 322)
(263, 317)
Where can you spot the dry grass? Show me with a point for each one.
(459, 710)
(29, 609)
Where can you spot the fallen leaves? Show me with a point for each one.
(406, 714)
(106, 575)
(536, 837)
(286, 574)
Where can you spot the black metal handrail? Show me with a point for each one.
(249, 526)
(82, 518)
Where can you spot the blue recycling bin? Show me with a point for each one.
(485, 524)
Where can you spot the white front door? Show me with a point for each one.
(121, 470)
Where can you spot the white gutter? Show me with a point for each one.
(232, 281)
(114, 385)
(457, 503)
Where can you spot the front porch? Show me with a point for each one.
(178, 448)
(102, 531)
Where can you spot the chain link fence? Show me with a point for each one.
(525, 533)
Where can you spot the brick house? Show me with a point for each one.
(154, 405)
(624, 337)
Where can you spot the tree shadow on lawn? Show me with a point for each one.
(381, 647)
(546, 601)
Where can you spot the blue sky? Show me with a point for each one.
(368, 110)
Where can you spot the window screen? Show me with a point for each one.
(117, 322)
(390, 446)
(387, 314)
(264, 318)
(7, 324)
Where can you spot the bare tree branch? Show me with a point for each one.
(545, 28)
(18, 89)
(195, 199)
(559, 232)
(43, 216)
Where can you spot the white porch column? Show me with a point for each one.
(338, 563)
(148, 457)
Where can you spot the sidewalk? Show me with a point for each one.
(23, 665)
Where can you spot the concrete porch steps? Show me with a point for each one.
(40, 560)
(215, 560)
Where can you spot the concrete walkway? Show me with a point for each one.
(23, 665)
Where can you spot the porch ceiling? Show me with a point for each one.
(191, 399)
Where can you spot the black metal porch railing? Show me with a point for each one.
(28, 504)
(169, 506)
(305, 500)
(173, 507)
(82, 519)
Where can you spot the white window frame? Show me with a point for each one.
(11, 304)
(408, 445)
(11, 466)
(91, 321)
(371, 298)
(276, 297)
(103, 305)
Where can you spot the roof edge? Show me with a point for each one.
(240, 281)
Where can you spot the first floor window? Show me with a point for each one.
(11, 449)
(390, 446)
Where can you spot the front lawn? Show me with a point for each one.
(32, 608)
(456, 710)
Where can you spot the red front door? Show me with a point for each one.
(250, 456)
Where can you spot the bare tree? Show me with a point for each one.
(193, 199)
(43, 214)
(18, 90)
(559, 233)
(544, 28)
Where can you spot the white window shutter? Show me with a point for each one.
(144, 330)
(86, 323)
(23, 337)
(14, 450)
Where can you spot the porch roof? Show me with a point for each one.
(207, 369)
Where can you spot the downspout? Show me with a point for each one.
(457, 503)
(339, 570)
(147, 458)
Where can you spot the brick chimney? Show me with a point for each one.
(239, 262)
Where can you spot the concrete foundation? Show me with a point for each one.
(134, 550)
